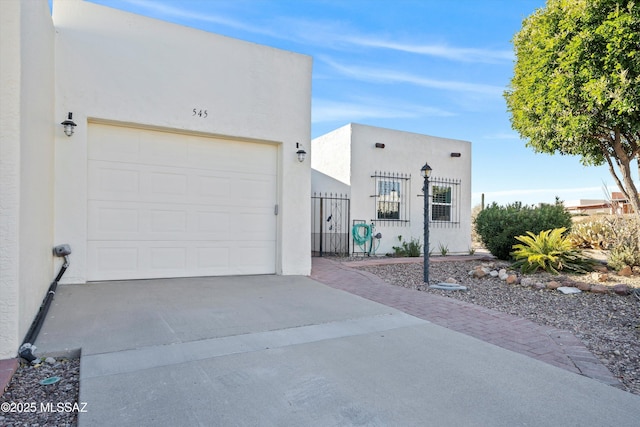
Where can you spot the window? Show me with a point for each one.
(445, 202)
(441, 203)
(391, 196)
(388, 200)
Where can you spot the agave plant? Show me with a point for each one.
(551, 251)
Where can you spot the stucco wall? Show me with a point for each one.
(405, 153)
(126, 68)
(331, 155)
(26, 166)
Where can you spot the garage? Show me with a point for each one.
(164, 204)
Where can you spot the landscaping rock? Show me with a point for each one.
(480, 272)
(553, 284)
(599, 289)
(539, 285)
(600, 277)
(502, 274)
(450, 280)
(527, 281)
(600, 268)
(584, 286)
(493, 273)
(625, 271)
(511, 279)
(622, 289)
(567, 290)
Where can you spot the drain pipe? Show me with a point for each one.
(27, 348)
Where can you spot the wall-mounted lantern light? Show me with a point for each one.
(69, 125)
(300, 153)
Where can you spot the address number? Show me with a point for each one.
(199, 113)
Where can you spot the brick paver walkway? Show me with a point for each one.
(551, 345)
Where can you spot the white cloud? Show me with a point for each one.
(179, 12)
(461, 54)
(392, 76)
(349, 111)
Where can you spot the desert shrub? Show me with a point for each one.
(443, 249)
(594, 233)
(618, 234)
(625, 243)
(498, 225)
(411, 249)
(549, 250)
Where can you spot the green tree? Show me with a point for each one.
(576, 84)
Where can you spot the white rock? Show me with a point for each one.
(527, 281)
(503, 275)
(50, 360)
(569, 290)
(493, 273)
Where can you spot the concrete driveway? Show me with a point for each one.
(290, 351)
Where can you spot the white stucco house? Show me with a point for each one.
(183, 161)
(378, 171)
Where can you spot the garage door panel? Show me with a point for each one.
(113, 143)
(111, 220)
(250, 259)
(179, 205)
(168, 258)
(253, 226)
(108, 180)
(168, 221)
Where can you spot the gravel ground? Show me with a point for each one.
(608, 324)
(26, 402)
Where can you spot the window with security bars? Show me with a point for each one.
(445, 202)
(440, 203)
(392, 196)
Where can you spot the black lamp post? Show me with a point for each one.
(426, 172)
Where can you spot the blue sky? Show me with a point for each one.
(436, 67)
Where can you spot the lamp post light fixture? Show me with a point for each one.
(300, 153)
(69, 125)
(425, 171)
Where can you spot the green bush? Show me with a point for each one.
(497, 225)
(551, 251)
(411, 249)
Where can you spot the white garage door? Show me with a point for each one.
(172, 205)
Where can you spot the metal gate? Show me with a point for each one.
(330, 224)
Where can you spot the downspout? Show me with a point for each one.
(27, 348)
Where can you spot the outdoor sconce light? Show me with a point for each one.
(300, 153)
(379, 145)
(69, 125)
(455, 154)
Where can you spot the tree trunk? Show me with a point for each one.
(627, 186)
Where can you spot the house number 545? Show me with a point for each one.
(200, 113)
